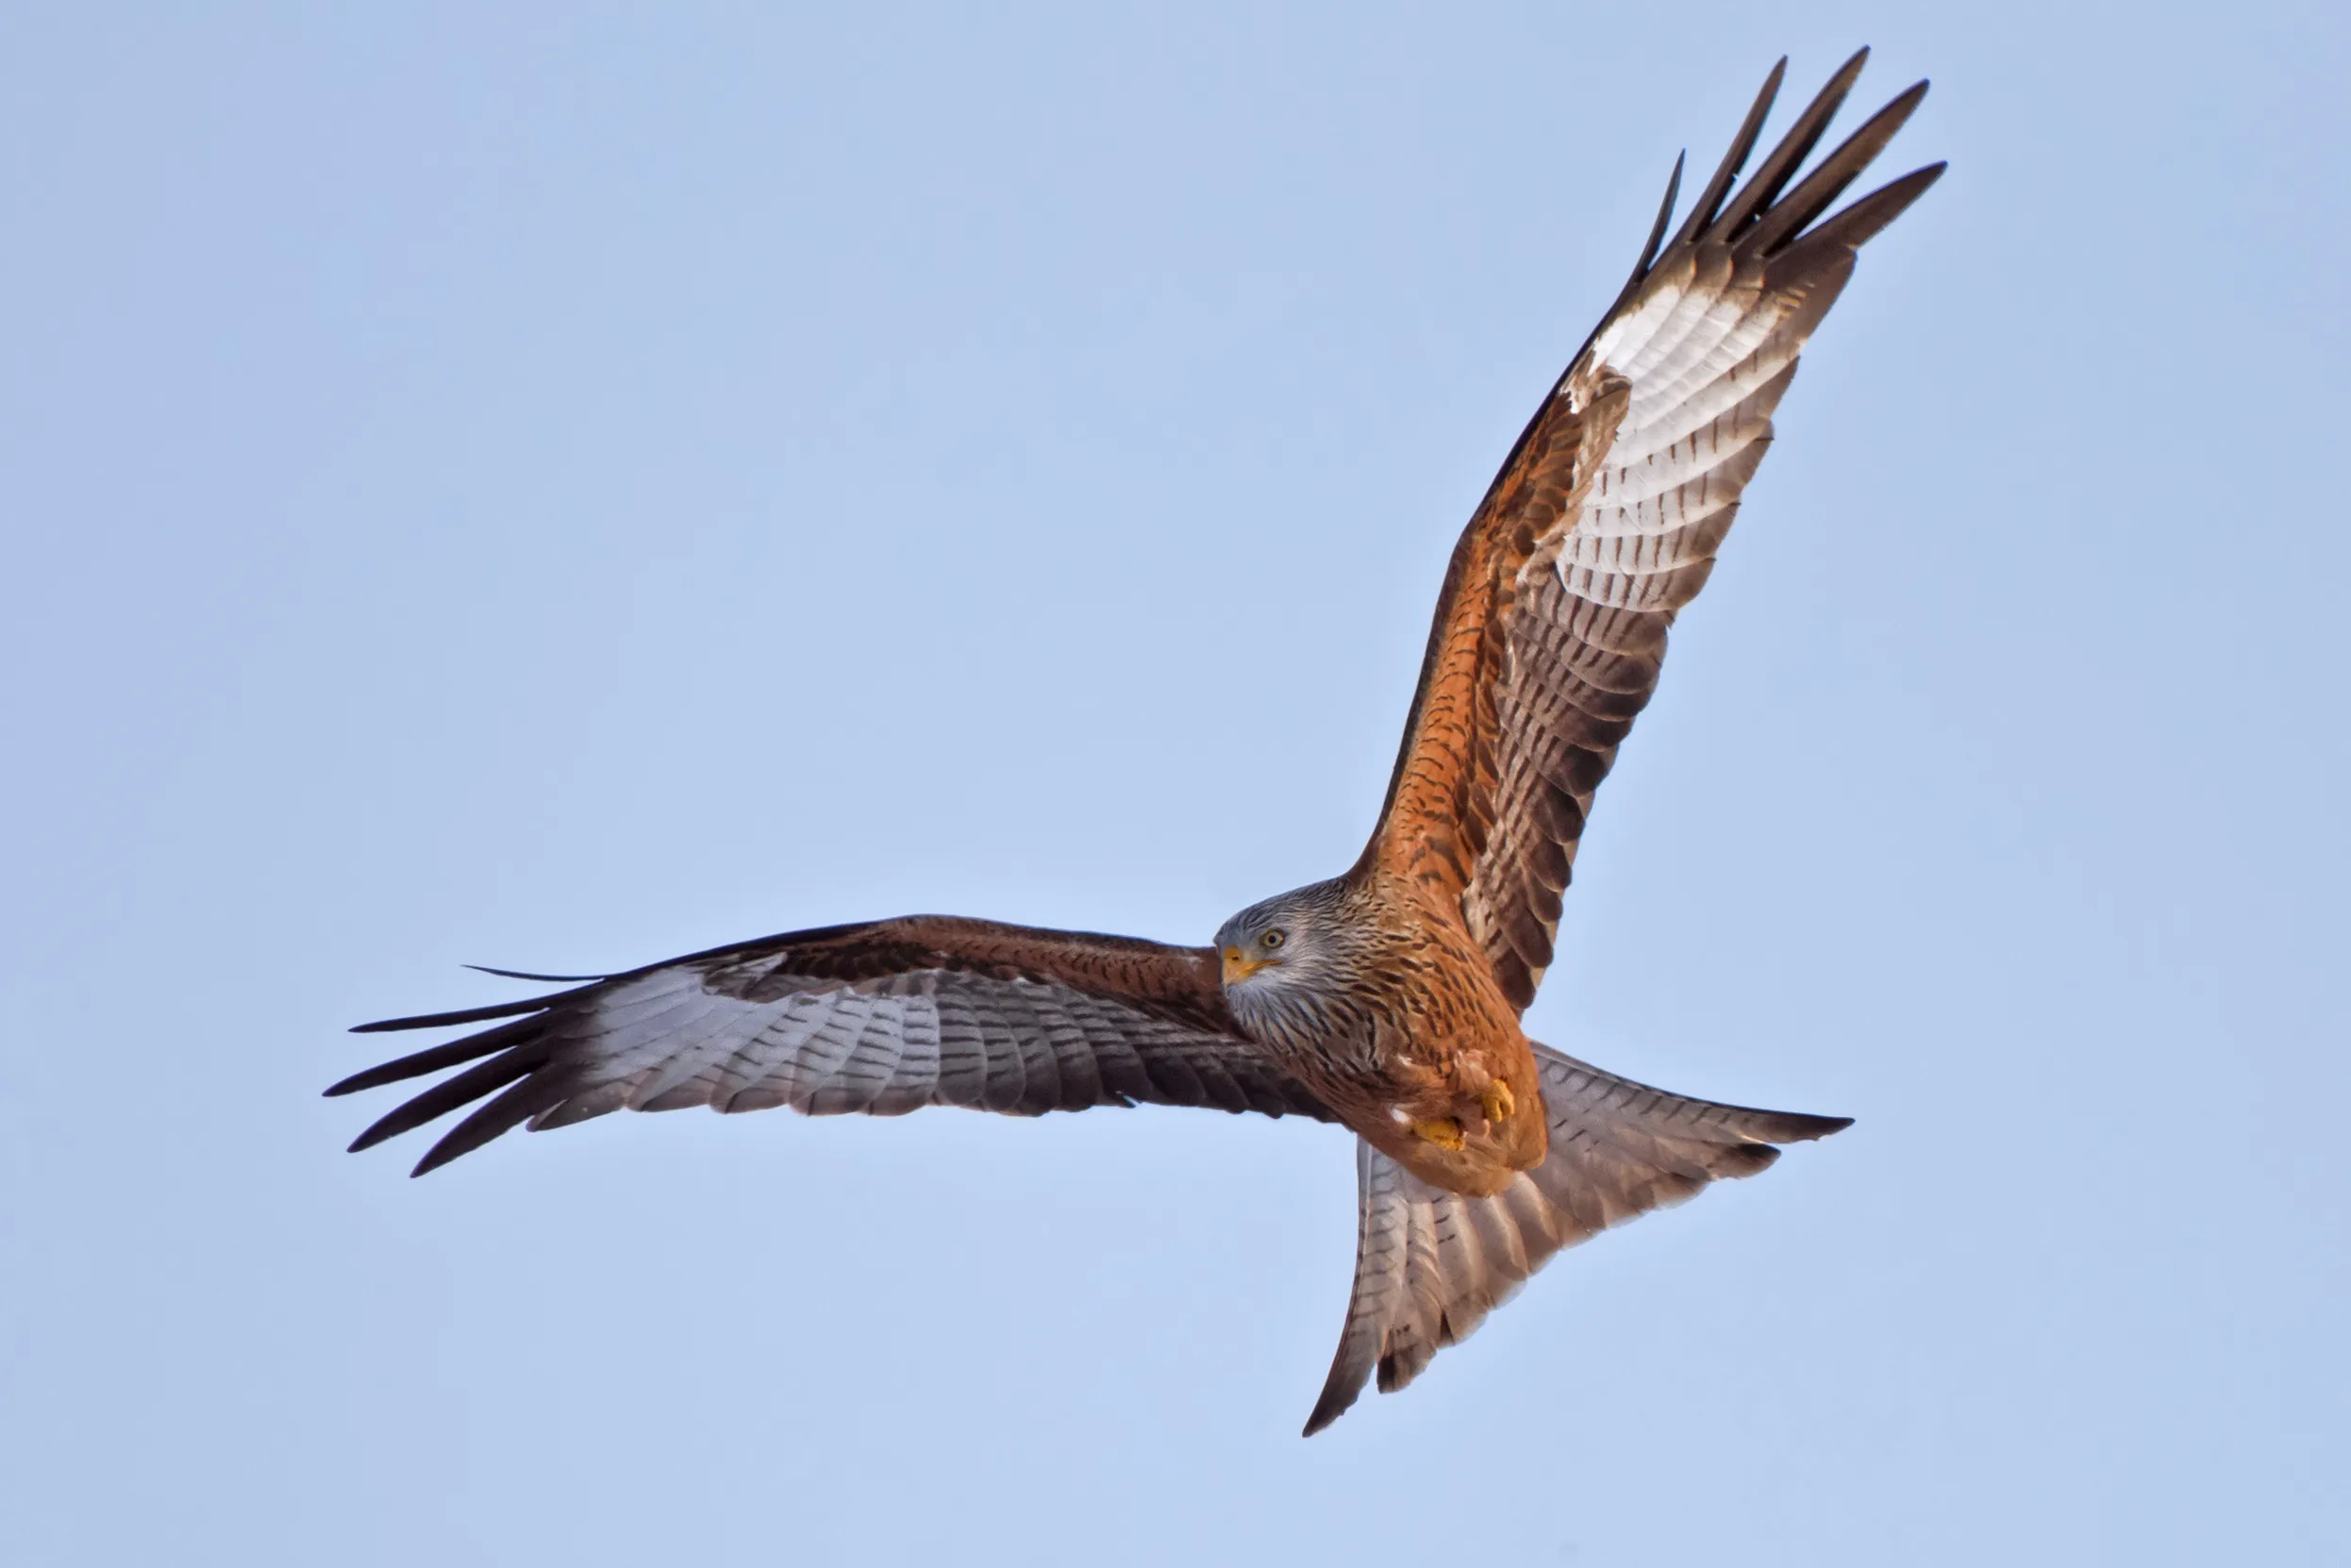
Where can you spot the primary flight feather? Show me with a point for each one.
(1387, 998)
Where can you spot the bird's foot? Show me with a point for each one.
(1498, 1102)
(1445, 1132)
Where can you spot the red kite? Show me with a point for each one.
(1387, 998)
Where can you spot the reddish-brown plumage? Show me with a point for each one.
(1447, 1033)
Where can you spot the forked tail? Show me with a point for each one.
(1429, 1265)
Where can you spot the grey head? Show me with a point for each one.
(1285, 959)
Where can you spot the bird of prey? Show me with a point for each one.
(1388, 999)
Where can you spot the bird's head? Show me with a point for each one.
(1270, 945)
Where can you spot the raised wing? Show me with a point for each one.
(881, 1017)
(1429, 1265)
(1604, 521)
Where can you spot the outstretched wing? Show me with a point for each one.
(881, 1017)
(1429, 1265)
(1604, 521)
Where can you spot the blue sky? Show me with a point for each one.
(562, 487)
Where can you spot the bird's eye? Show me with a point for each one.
(1272, 938)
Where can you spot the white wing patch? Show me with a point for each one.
(664, 1042)
(1704, 384)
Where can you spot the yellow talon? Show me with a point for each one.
(1499, 1101)
(1445, 1132)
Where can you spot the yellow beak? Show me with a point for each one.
(1238, 967)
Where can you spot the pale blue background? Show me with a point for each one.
(563, 485)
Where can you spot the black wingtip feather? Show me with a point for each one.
(1656, 229)
(511, 1110)
(1795, 147)
(1820, 189)
(1861, 222)
(444, 1019)
(454, 1053)
(1735, 157)
(447, 1095)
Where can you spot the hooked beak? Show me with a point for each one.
(1238, 967)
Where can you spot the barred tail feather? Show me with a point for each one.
(1431, 1265)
